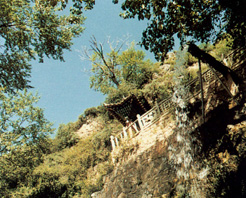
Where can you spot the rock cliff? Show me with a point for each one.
(142, 165)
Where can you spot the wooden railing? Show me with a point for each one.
(164, 108)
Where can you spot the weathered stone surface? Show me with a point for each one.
(147, 175)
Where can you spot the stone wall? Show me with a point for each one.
(145, 175)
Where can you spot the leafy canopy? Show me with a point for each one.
(119, 73)
(22, 123)
(189, 20)
(72, 172)
(24, 136)
(35, 28)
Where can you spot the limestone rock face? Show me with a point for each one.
(91, 126)
(142, 168)
(145, 175)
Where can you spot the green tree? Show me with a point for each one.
(222, 49)
(73, 172)
(119, 73)
(65, 136)
(24, 136)
(189, 20)
(135, 69)
(22, 123)
(35, 28)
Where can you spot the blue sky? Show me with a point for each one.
(64, 86)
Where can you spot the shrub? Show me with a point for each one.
(65, 136)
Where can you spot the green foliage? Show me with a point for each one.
(94, 111)
(123, 91)
(32, 165)
(190, 20)
(106, 75)
(159, 89)
(22, 123)
(190, 60)
(135, 70)
(75, 168)
(223, 48)
(120, 74)
(75, 171)
(17, 167)
(170, 58)
(161, 86)
(65, 136)
(30, 29)
(24, 138)
(219, 50)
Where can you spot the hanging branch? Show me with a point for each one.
(98, 49)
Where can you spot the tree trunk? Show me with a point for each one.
(218, 66)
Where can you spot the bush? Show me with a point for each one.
(76, 171)
(92, 112)
(65, 136)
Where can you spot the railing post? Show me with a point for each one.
(140, 122)
(117, 142)
(131, 132)
(158, 108)
(125, 133)
(135, 127)
(112, 142)
(162, 107)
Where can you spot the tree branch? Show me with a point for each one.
(218, 66)
(99, 51)
(5, 25)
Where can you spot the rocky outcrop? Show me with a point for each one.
(91, 126)
(146, 171)
(141, 166)
(145, 175)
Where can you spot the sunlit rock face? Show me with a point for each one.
(206, 160)
(145, 175)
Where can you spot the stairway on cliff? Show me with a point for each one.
(142, 168)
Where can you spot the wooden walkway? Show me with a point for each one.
(166, 107)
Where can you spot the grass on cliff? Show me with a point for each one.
(75, 167)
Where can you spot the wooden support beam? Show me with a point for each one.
(201, 87)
